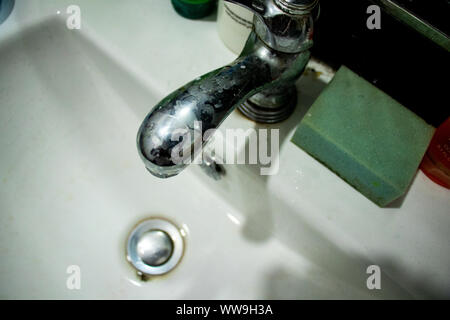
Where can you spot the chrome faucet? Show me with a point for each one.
(260, 82)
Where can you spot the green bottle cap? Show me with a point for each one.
(194, 9)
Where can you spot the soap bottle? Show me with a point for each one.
(436, 162)
(194, 9)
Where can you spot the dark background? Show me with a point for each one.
(398, 60)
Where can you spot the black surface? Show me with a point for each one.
(398, 60)
(435, 12)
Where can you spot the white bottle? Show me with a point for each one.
(234, 24)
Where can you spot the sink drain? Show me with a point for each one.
(155, 247)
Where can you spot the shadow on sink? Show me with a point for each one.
(60, 55)
(66, 101)
(288, 284)
(266, 217)
(65, 74)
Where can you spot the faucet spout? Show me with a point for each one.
(260, 81)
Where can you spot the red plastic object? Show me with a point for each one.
(436, 162)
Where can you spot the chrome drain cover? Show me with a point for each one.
(155, 247)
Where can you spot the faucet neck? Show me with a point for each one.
(283, 25)
(297, 7)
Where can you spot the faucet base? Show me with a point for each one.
(270, 106)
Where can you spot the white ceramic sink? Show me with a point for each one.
(72, 185)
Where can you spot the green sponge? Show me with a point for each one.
(364, 136)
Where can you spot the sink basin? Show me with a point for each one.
(72, 185)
